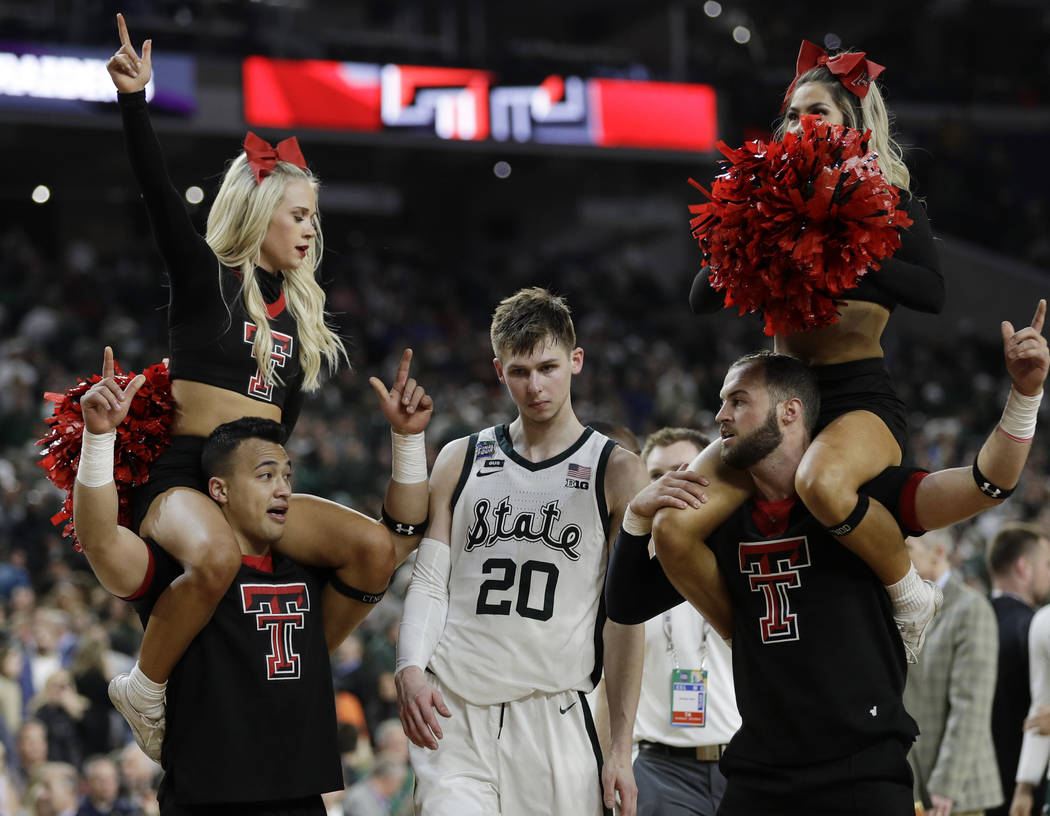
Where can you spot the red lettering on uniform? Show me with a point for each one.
(280, 351)
(278, 608)
(773, 568)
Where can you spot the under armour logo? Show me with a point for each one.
(988, 490)
(873, 710)
(404, 529)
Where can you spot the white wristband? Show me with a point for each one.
(96, 459)
(408, 462)
(636, 525)
(1020, 414)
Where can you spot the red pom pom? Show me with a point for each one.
(792, 226)
(144, 433)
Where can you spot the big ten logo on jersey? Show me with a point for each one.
(578, 476)
(500, 523)
(280, 351)
(279, 609)
(774, 567)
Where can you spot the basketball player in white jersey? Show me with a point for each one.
(505, 613)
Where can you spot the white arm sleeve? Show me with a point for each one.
(426, 605)
(1035, 749)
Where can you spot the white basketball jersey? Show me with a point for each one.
(528, 545)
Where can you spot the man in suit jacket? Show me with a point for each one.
(1018, 562)
(949, 693)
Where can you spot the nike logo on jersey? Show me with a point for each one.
(570, 705)
(487, 472)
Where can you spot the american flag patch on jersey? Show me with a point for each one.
(579, 472)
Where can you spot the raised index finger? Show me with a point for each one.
(402, 371)
(122, 30)
(107, 363)
(1040, 316)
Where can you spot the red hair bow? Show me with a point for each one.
(853, 70)
(263, 157)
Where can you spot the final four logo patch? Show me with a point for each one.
(484, 449)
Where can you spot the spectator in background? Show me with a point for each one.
(355, 753)
(11, 706)
(380, 697)
(61, 710)
(139, 778)
(102, 790)
(375, 795)
(91, 677)
(677, 764)
(54, 791)
(623, 435)
(1018, 561)
(48, 631)
(10, 803)
(31, 750)
(949, 692)
(391, 743)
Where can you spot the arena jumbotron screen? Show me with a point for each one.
(470, 105)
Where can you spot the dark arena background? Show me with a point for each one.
(467, 149)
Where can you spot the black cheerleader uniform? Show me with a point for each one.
(209, 330)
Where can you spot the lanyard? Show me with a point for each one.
(669, 637)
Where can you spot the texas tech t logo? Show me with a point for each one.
(280, 351)
(773, 568)
(278, 608)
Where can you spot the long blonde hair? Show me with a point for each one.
(237, 226)
(869, 113)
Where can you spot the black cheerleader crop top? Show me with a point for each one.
(210, 333)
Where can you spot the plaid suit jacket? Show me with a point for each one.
(949, 693)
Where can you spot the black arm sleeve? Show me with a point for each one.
(912, 277)
(190, 263)
(703, 299)
(636, 587)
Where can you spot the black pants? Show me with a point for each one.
(874, 782)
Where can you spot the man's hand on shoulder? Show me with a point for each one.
(677, 488)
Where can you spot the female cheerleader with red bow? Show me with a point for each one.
(832, 324)
(248, 335)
